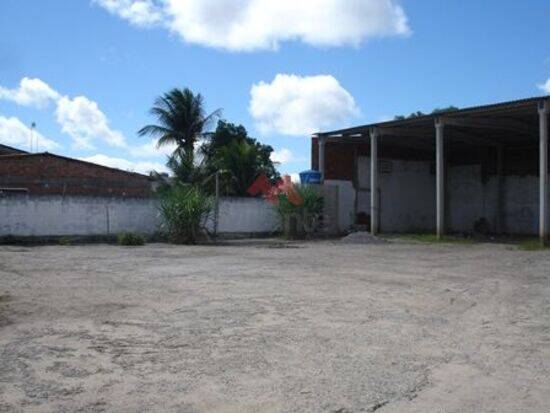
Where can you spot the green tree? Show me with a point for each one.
(444, 110)
(186, 168)
(224, 150)
(224, 134)
(181, 119)
(239, 162)
(434, 112)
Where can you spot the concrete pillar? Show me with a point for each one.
(440, 176)
(374, 194)
(544, 109)
(322, 141)
(501, 192)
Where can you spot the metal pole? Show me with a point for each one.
(544, 109)
(440, 176)
(374, 196)
(217, 204)
(33, 126)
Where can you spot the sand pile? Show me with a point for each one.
(362, 238)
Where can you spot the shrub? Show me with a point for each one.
(130, 239)
(64, 241)
(303, 217)
(185, 211)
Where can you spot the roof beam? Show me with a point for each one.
(472, 138)
(488, 123)
(425, 133)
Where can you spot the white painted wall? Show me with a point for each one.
(247, 216)
(407, 194)
(26, 215)
(522, 205)
(469, 199)
(346, 203)
(407, 198)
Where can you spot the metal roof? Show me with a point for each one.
(495, 108)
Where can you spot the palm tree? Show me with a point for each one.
(181, 119)
(186, 168)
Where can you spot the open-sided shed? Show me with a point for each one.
(484, 166)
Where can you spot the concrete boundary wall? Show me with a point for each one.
(24, 215)
(247, 216)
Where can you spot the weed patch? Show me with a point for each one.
(432, 239)
(532, 245)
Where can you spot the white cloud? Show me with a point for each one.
(246, 25)
(79, 117)
(282, 156)
(137, 12)
(295, 177)
(150, 150)
(295, 105)
(15, 133)
(31, 92)
(545, 87)
(125, 165)
(82, 119)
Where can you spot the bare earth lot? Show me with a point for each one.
(321, 327)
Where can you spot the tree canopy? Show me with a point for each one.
(419, 114)
(227, 133)
(181, 119)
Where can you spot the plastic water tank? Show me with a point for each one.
(310, 177)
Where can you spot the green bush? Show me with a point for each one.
(303, 218)
(130, 239)
(185, 211)
(64, 241)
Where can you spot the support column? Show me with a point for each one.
(322, 141)
(544, 109)
(501, 192)
(374, 194)
(440, 176)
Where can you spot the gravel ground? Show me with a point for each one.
(261, 327)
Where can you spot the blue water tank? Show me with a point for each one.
(310, 177)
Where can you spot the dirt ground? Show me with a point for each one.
(308, 327)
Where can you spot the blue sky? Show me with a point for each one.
(93, 68)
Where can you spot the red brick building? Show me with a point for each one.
(8, 150)
(49, 174)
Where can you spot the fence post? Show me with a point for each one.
(217, 204)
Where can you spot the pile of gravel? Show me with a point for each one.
(362, 238)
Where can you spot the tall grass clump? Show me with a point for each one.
(300, 210)
(130, 239)
(185, 210)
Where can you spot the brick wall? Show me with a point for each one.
(47, 174)
(8, 150)
(339, 158)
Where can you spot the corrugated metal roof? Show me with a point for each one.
(495, 107)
